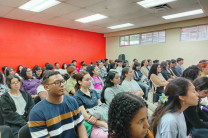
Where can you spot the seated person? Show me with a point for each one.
(196, 119)
(71, 82)
(168, 120)
(84, 67)
(29, 84)
(129, 84)
(141, 79)
(158, 81)
(3, 87)
(111, 88)
(38, 72)
(173, 67)
(88, 98)
(102, 72)
(58, 115)
(15, 104)
(129, 114)
(165, 72)
(97, 83)
(144, 68)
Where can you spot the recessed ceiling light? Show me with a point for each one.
(121, 26)
(183, 14)
(39, 5)
(91, 18)
(153, 3)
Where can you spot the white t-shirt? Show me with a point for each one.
(20, 103)
(41, 88)
(130, 85)
(172, 125)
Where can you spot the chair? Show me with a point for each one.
(24, 132)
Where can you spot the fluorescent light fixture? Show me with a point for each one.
(39, 5)
(153, 3)
(121, 26)
(183, 14)
(91, 18)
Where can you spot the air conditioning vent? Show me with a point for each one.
(161, 8)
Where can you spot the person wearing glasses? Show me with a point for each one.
(57, 116)
(29, 84)
(15, 105)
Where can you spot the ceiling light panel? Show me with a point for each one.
(183, 14)
(153, 3)
(91, 18)
(121, 26)
(39, 5)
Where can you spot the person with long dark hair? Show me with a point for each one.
(127, 117)
(29, 84)
(19, 69)
(168, 120)
(97, 83)
(196, 118)
(158, 81)
(9, 71)
(165, 72)
(64, 68)
(38, 72)
(88, 98)
(111, 87)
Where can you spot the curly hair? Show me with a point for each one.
(174, 89)
(122, 110)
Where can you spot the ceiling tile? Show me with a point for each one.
(60, 9)
(79, 14)
(39, 18)
(5, 10)
(82, 3)
(19, 14)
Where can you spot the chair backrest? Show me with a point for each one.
(1, 117)
(24, 132)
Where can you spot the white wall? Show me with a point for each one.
(191, 51)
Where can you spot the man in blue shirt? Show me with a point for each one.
(179, 67)
(57, 116)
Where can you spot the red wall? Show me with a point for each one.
(32, 44)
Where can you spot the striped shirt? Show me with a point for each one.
(55, 120)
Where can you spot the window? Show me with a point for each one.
(145, 38)
(134, 39)
(124, 41)
(194, 33)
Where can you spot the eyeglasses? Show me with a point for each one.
(58, 83)
(14, 83)
(29, 71)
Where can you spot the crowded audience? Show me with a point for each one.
(112, 98)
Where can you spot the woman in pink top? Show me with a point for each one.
(97, 83)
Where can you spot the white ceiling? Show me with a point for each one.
(118, 12)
